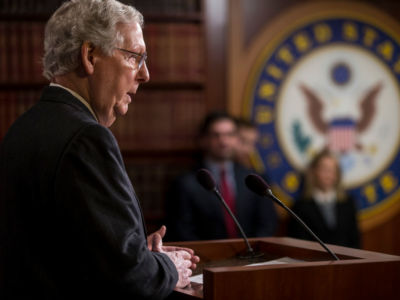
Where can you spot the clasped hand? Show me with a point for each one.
(183, 258)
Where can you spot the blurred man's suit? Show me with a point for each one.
(195, 213)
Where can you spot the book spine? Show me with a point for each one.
(25, 50)
(150, 39)
(13, 53)
(175, 52)
(37, 52)
(3, 53)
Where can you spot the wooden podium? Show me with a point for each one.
(358, 274)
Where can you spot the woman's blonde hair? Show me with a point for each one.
(310, 178)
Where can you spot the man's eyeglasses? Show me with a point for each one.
(136, 59)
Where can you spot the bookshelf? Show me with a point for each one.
(156, 136)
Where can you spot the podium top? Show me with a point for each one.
(358, 273)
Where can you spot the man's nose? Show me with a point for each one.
(143, 73)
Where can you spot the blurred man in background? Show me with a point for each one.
(248, 136)
(195, 213)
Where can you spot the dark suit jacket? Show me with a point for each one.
(346, 232)
(71, 222)
(196, 214)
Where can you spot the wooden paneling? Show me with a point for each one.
(384, 237)
(216, 22)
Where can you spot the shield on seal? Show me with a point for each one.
(342, 135)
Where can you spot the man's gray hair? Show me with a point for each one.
(77, 21)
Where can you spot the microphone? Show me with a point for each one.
(261, 188)
(206, 180)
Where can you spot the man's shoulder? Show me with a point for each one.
(57, 111)
(187, 176)
(58, 100)
(187, 180)
(242, 171)
(54, 124)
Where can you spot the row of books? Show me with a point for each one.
(166, 6)
(20, 7)
(21, 52)
(13, 104)
(145, 176)
(175, 52)
(47, 7)
(161, 120)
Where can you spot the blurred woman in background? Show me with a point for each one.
(324, 205)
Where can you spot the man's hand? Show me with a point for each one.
(182, 262)
(194, 259)
(154, 240)
(183, 258)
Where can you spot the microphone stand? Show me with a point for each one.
(250, 252)
(261, 188)
(302, 223)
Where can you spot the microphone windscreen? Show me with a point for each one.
(205, 178)
(257, 184)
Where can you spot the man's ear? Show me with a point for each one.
(87, 56)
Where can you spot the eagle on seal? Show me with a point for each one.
(342, 132)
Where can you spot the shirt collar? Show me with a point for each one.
(76, 95)
(215, 167)
(324, 197)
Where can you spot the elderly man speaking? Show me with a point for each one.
(71, 224)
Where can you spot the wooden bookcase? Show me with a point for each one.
(156, 136)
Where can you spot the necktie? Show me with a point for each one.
(228, 195)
